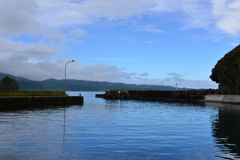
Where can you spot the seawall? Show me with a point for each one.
(31, 99)
(186, 95)
(222, 98)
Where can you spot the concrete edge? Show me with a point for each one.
(222, 98)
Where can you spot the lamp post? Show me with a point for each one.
(66, 71)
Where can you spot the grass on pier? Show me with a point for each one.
(32, 93)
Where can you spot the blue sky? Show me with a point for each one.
(161, 42)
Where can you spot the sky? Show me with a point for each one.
(157, 42)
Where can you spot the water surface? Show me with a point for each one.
(127, 129)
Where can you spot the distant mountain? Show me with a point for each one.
(2, 75)
(80, 85)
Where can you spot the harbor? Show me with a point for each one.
(89, 131)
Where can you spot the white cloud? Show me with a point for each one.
(149, 28)
(54, 13)
(23, 17)
(194, 13)
(227, 15)
(40, 50)
(102, 72)
(77, 32)
(32, 68)
(174, 78)
(65, 13)
(115, 9)
(19, 21)
(172, 5)
(217, 37)
(29, 14)
(234, 44)
(16, 16)
(178, 78)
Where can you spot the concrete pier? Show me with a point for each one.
(223, 98)
(21, 99)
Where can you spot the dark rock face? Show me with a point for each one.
(8, 84)
(227, 71)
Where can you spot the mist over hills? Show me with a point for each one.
(80, 85)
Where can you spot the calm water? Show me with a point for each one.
(114, 129)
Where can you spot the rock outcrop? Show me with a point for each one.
(227, 71)
(8, 84)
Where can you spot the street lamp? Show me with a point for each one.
(65, 71)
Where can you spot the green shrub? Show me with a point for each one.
(6, 80)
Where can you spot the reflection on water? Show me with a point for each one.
(226, 129)
(121, 129)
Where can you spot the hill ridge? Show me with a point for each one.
(81, 85)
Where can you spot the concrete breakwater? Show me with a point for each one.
(183, 95)
(9, 100)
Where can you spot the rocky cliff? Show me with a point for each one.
(8, 84)
(227, 71)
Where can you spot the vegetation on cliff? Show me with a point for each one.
(227, 71)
